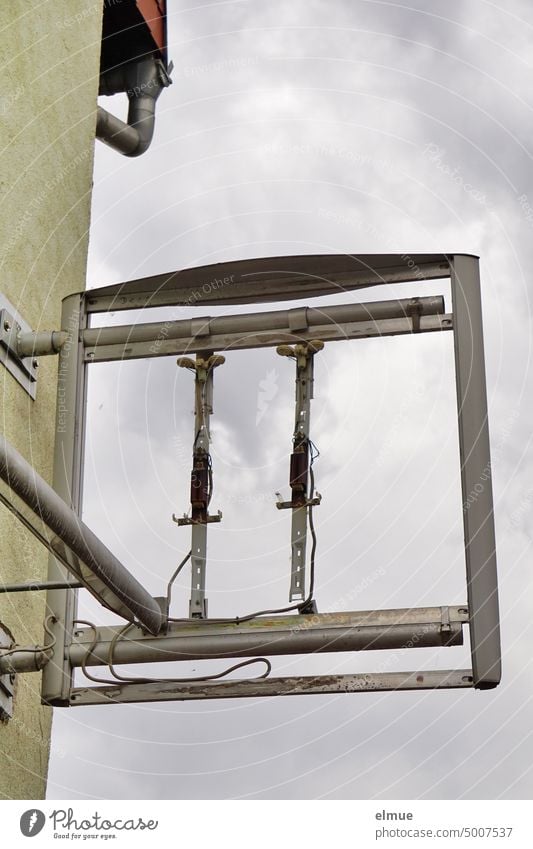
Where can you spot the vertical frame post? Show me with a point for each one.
(203, 407)
(198, 601)
(301, 488)
(201, 476)
(476, 473)
(67, 481)
(304, 393)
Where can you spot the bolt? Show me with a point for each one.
(35, 364)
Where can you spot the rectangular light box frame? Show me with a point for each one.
(275, 280)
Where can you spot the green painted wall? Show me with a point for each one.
(49, 57)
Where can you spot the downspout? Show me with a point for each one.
(143, 81)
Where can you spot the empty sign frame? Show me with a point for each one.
(269, 280)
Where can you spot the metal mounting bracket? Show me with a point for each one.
(7, 681)
(22, 368)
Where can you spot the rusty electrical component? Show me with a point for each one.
(299, 473)
(201, 474)
(200, 488)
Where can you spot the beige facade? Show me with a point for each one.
(49, 57)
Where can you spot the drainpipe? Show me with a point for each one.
(143, 81)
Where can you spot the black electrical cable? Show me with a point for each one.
(173, 578)
(120, 634)
(116, 677)
(310, 594)
(210, 479)
(200, 678)
(35, 649)
(90, 651)
(313, 447)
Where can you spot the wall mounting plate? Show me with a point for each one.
(7, 681)
(23, 369)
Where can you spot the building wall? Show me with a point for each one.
(49, 59)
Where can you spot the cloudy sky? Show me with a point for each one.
(322, 126)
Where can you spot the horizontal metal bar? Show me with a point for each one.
(58, 527)
(164, 347)
(299, 634)
(27, 659)
(273, 320)
(290, 686)
(267, 279)
(35, 586)
(40, 344)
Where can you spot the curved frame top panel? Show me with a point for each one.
(267, 279)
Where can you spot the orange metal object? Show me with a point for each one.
(154, 13)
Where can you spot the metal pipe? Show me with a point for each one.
(28, 659)
(115, 586)
(302, 634)
(143, 81)
(41, 344)
(274, 321)
(117, 134)
(36, 586)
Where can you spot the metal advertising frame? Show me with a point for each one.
(276, 280)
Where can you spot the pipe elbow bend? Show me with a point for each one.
(143, 82)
